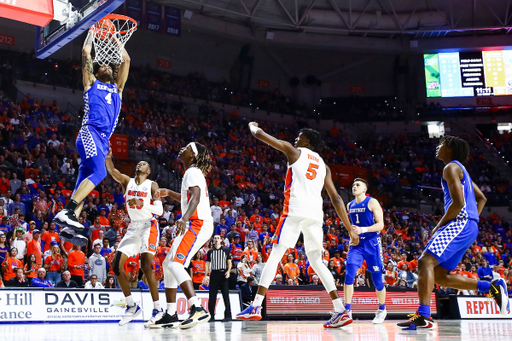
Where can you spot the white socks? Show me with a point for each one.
(156, 305)
(258, 300)
(338, 305)
(193, 301)
(171, 308)
(129, 301)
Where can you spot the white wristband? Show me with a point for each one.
(364, 229)
(254, 129)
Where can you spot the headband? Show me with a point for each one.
(194, 148)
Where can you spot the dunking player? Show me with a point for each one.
(102, 103)
(367, 219)
(141, 237)
(453, 235)
(306, 177)
(194, 229)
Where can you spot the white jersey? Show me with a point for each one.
(194, 177)
(142, 192)
(303, 186)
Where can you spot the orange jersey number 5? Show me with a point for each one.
(311, 173)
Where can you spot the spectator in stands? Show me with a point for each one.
(55, 264)
(247, 290)
(244, 270)
(93, 283)
(18, 242)
(485, 272)
(31, 267)
(40, 281)
(257, 269)
(10, 264)
(4, 247)
(110, 283)
(406, 275)
(98, 264)
(278, 280)
(66, 281)
(18, 281)
(391, 276)
(333, 270)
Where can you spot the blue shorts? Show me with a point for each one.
(449, 244)
(369, 250)
(93, 149)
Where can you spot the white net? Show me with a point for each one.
(110, 34)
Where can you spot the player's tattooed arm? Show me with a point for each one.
(88, 77)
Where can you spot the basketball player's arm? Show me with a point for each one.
(287, 148)
(88, 78)
(452, 174)
(480, 198)
(117, 175)
(122, 74)
(157, 206)
(378, 217)
(164, 192)
(339, 206)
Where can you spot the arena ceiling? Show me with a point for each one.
(365, 18)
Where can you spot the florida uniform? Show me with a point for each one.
(302, 211)
(369, 247)
(143, 233)
(451, 241)
(200, 225)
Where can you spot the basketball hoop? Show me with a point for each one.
(110, 34)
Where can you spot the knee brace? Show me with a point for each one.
(350, 275)
(115, 263)
(377, 280)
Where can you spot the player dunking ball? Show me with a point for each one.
(102, 104)
(367, 219)
(306, 176)
(194, 229)
(142, 235)
(453, 235)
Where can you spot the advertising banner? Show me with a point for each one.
(182, 306)
(119, 145)
(79, 305)
(317, 302)
(479, 307)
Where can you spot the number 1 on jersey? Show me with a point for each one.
(357, 218)
(311, 173)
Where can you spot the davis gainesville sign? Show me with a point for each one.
(78, 305)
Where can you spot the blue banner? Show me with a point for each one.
(173, 21)
(153, 17)
(134, 10)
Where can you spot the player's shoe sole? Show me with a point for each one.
(498, 291)
(66, 218)
(250, 313)
(198, 316)
(70, 236)
(339, 320)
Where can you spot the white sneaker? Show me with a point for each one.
(130, 314)
(380, 316)
(157, 315)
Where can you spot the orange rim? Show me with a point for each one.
(118, 17)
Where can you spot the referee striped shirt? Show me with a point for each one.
(218, 258)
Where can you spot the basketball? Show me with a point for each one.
(104, 29)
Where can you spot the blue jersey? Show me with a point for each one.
(102, 105)
(362, 216)
(470, 209)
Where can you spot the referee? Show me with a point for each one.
(218, 267)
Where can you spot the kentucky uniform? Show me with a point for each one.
(143, 233)
(451, 241)
(102, 105)
(200, 225)
(302, 211)
(369, 247)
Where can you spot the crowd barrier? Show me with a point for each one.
(26, 305)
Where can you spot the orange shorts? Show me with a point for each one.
(186, 246)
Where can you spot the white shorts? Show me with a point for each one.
(289, 229)
(140, 237)
(186, 245)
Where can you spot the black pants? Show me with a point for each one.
(78, 279)
(218, 281)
